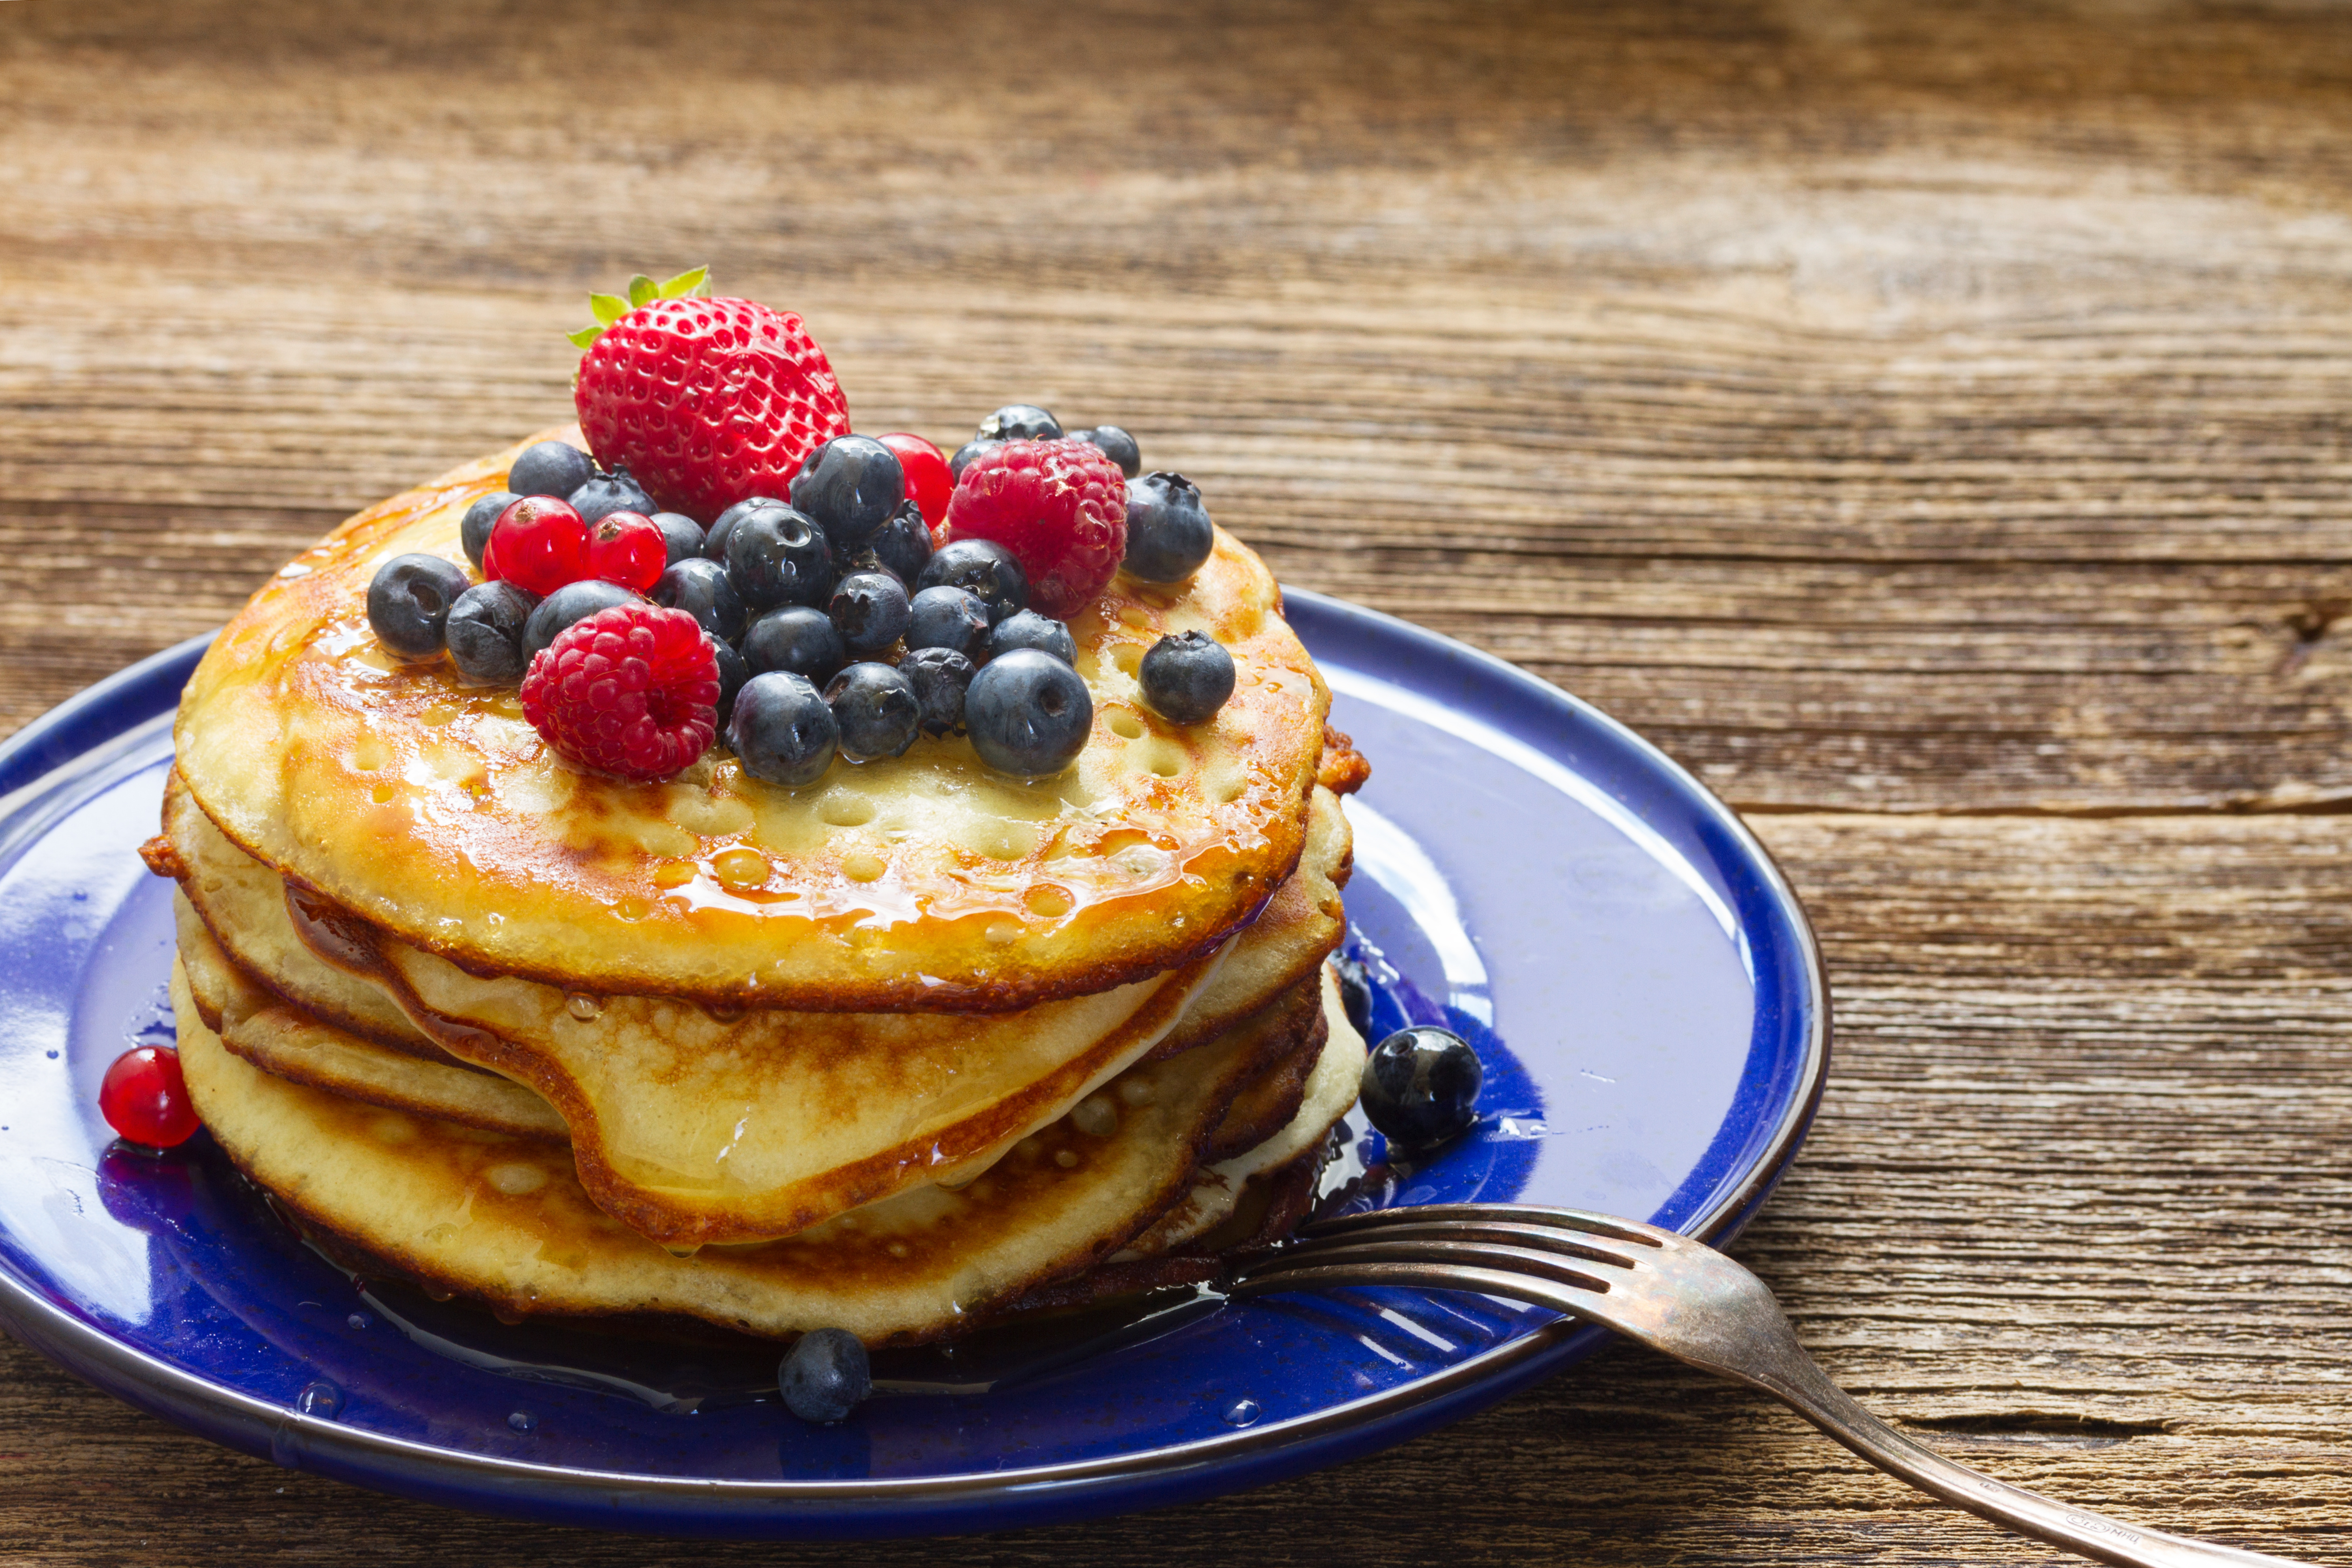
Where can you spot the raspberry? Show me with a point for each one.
(632, 690)
(1060, 507)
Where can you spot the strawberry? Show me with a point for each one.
(706, 401)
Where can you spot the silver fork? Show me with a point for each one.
(1689, 1300)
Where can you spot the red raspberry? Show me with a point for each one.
(929, 481)
(628, 548)
(541, 544)
(144, 1098)
(1059, 506)
(708, 401)
(632, 690)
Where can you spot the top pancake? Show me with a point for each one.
(920, 883)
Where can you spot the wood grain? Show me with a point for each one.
(1926, 422)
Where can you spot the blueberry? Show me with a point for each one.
(1355, 992)
(941, 676)
(799, 638)
(714, 543)
(701, 589)
(949, 617)
(1030, 629)
(681, 534)
(408, 602)
(877, 709)
(1029, 715)
(549, 469)
(966, 453)
(474, 531)
(1020, 422)
(608, 493)
(870, 609)
(732, 673)
(1186, 678)
(985, 568)
(904, 543)
(781, 729)
(1421, 1086)
(1117, 444)
(572, 602)
(777, 556)
(1168, 531)
(849, 487)
(824, 1376)
(486, 633)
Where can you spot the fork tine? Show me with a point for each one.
(1586, 1220)
(1453, 1256)
(1509, 1285)
(1532, 1238)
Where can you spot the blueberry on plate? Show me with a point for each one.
(1028, 714)
(702, 589)
(965, 454)
(1186, 678)
(608, 493)
(877, 709)
(949, 618)
(1168, 531)
(714, 543)
(1020, 422)
(486, 633)
(474, 531)
(1355, 992)
(904, 543)
(1421, 1086)
(941, 676)
(681, 534)
(984, 567)
(798, 639)
(549, 469)
(572, 602)
(408, 602)
(850, 486)
(1030, 629)
(732, 673)
(782, 728)
(1117, 444)
(824, 1376)
(777, 556)
(870, 609)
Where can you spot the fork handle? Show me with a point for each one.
(1797, 1381)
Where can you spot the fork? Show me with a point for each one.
(1689, 1300)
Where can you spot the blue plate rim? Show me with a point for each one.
(84, 722)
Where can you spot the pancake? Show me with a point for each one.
(497, 1218)
(433, 810)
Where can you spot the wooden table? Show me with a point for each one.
(1928, 423)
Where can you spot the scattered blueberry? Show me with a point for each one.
(1030, 629)
(798, 639)
(1020, 422)
(681, 534)
(777, 556)
(474, 531)
(732, 673)
(702, 590)
(1421, 1086)
(1168, 531)
(572, 602)
(1186, 678)
(486, 633)
(551, 468)
(939, 676)
(1029, 713)
(949, 617)
(904, 543)
(608, 493)
(408, 602)
(824, 1376)
(966, 453)
(1355, 992)
(877, 709)
(849, 487)
(714, 543)
(1117, 444)
(870, 609)
(985, 568)
(782, 728)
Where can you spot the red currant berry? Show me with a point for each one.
(628, 548)
(929, 482)
(145, 1099)
(541, 544)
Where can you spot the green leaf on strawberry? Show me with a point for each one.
(642, 291)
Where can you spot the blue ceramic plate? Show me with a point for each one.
(1637, 977)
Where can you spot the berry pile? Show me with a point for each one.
(731, 561)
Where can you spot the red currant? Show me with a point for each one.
(541, 544)
(145, 1099)
(628, 548)
(929, 482)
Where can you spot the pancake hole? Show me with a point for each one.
(632, 909)
(517, 1179)
(1137, 1091)
(1231, 790)
(1125, 725)
(1029, 1148)
(369, 755)
(382, 794)
(1049, 902)
(673, 873)
(1127, 658)
(581, 1005)
(863, 868)
(739, 870)
(1067, 1160)
(1165, 759)
(723, 1015)
(1097, 1116)
(896, 1249)
(438, 714)
(1002, 934)
(840, 809)
(437, 1235)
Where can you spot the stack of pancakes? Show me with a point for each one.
(897, 1052)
